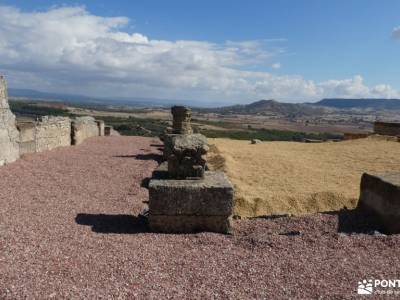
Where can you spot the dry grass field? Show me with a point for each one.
(300, 178)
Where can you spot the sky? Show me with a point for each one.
(226, 51)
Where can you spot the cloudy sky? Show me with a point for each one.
(225, 51)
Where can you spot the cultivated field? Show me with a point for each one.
(300, 178)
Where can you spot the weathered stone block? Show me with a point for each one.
(211, 196)
(52, 132)
(9, 135)
(380, 195)
(187, 158)
(190, 224)
(46, 134)
(181, 120)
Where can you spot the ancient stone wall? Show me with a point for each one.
(385, 128)
(27, 137)
(83, 128)
(53, 132)
(46, 134)
(110, 131)
(355, 136)
(9, 136)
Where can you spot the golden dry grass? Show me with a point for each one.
(299, 178)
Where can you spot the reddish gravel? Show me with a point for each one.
(68, 230)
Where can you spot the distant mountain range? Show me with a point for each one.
(360, 103)
(265, 107)
(258, 107)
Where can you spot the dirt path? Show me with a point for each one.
(68, 230)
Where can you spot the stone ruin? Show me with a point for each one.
(380, 196)
(187, 156)
(181, 120)
(183, 195)
(45, 133)
(9, 135)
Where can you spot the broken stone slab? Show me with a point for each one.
(380, 195)
(211, 196)
(190, 224)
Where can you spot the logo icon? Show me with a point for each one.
(365, 287)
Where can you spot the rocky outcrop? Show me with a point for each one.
(9, 135)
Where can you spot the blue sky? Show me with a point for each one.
(233, 51)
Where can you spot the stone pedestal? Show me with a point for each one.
(184, 206)
(183, 196)
(380, 195)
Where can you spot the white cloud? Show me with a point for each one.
(355, 88)
(396, 33)
(68, 49)
(276, 66)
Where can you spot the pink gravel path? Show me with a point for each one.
(68, 230)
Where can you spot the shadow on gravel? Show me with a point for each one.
(356, 221)
(122, 224)
(157, 145)
(157, 157)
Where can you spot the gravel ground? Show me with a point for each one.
(68, 230)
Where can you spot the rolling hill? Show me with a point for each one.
(360, 103)
(265, 107)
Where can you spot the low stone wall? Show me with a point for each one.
(52, 132)
(386, 128)
(46, 134)
(355, 136)
(83, 128)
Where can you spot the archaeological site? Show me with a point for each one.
(88, 213)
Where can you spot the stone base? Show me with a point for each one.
(380, 195)
(190, 205)
(190, 224)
